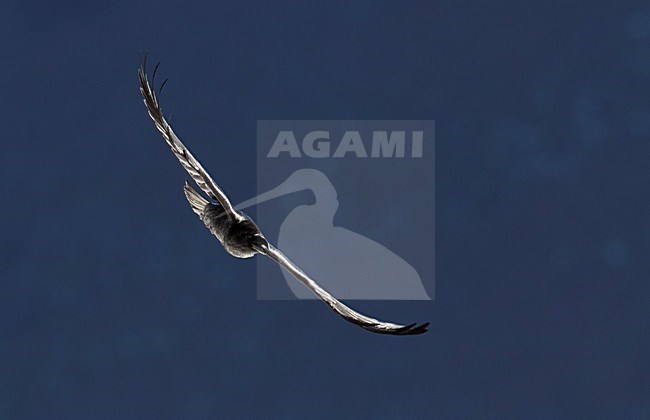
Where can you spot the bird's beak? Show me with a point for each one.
(290, 185)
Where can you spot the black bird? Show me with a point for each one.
(237, 232)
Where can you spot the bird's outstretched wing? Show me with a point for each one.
(368, 323)
(191, 165)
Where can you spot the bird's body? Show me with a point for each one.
(233, 235)
(239, 238)
(238, 235)
(237, 232)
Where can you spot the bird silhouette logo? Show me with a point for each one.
(333, 253)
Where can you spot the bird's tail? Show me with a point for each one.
(196, 200)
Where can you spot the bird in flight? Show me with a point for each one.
(237, 232)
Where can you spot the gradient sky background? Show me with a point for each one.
(116, 303)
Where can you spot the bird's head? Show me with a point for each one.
(258, 242)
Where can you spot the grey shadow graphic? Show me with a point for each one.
(345, 263)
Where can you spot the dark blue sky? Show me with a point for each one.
(115, 302)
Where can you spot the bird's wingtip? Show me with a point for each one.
(413, 329)
(421, 329)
